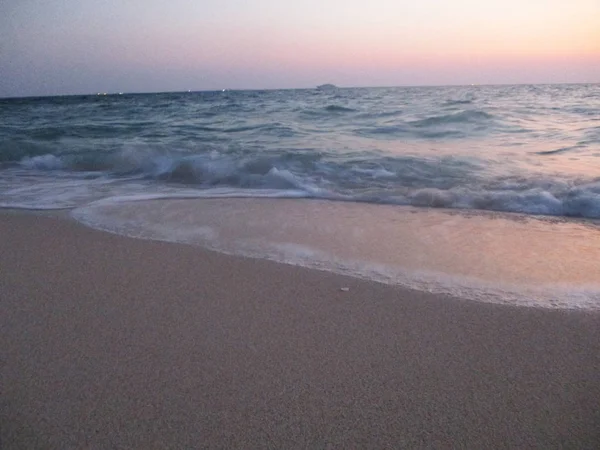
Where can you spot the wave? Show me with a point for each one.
(374, 145)
(471, 116)
(385, 130)
(43, 162)
(457, 102)
(381, 114)
(338, 108)
(436, 183)
(456, 125)
(581, 202)
(326, 111)
(558, 150)
(204, 170)
(406, 130)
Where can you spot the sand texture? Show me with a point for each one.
(111, 342)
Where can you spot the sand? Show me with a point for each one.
(111, 342)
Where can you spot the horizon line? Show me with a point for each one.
(186, 91)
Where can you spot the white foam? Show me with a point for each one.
(418, 181)
(43, 162)
(201, 194)
(38, 189)
(490, 258)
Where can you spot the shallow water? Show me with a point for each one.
(502, 258)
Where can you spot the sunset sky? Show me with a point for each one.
(81, 46)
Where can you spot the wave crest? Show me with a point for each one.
(437, 183)
(470, 116)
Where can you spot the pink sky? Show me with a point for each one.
(78, 46)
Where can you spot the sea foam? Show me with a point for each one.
(505, 259)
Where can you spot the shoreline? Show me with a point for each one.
(110, 341)
(495, 258)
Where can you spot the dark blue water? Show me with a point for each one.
(529, 149)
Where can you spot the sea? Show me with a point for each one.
(488, 193)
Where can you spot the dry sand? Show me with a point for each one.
(110, 342)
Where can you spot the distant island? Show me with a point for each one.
(326, 87)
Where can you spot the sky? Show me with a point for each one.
(52, 47)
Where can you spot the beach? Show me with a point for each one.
(114, 342)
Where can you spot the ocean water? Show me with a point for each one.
(488, 192)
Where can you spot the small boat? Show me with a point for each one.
(326, 87)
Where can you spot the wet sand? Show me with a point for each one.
(477, 255)
(111, 342)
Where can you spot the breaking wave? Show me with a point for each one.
(491, 148)
(425, 182)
